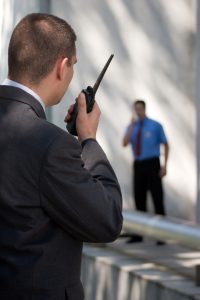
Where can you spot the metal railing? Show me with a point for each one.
(164, 229)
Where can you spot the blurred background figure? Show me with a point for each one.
(145, 136)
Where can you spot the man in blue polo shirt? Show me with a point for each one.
(146, 136)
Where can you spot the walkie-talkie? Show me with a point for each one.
(89, 95)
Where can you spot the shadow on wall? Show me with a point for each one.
(154, 60)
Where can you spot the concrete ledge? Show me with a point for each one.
(109, 275)
(177, 258)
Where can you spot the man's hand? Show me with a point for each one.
(86, 123)
(127, 137)
(163, 171)
(132, 121)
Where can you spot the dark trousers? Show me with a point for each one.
(146, 178)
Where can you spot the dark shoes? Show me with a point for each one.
(160, 243)
(138, 239)
(135, 239)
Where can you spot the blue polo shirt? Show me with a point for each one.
(153, 136)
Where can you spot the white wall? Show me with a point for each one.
(154, 46)
(11, 11)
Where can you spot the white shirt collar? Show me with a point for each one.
(24, 88)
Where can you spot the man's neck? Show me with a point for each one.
(142, 119)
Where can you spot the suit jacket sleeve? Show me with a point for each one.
(81, 195)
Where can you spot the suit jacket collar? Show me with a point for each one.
(16, 94)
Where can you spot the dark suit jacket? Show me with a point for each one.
(54, 195)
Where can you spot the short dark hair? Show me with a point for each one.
(139, 101)
(36, 43)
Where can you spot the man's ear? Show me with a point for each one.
(61, 67)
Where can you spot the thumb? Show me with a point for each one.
(82, 104)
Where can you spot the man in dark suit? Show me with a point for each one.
(56, 192)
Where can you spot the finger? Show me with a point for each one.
(82, 104)
(69, 113)
(71, 108)
(95, 110)
(67, 118)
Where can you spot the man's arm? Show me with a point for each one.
(128, 135)
(163, 170)
(82, 196)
